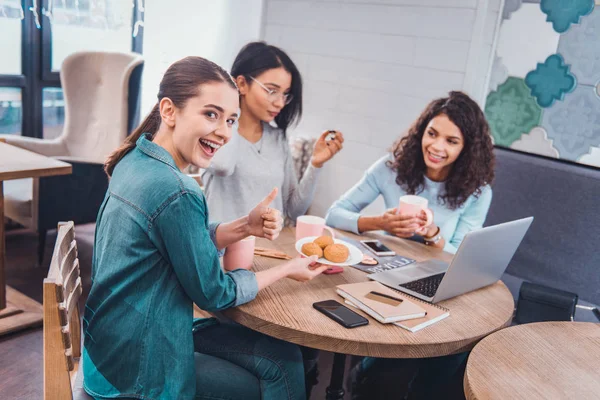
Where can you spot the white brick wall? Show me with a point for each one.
(369, 68)
(175, 29)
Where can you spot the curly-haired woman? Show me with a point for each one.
(446, 157)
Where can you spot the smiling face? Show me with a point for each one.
(204, 124)
(258, 101)
(442, 143)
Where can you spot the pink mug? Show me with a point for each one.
(413, 205)
(309, 225)
(239, 254)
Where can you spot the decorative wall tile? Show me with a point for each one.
(499, 74)
(574, 123)
(591, 158)
(536, 142)
(521, 54)
(510, 6)
(511, 111)
(550, 81)
(580, 47)
(564, 13)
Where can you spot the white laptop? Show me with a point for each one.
(480, 260)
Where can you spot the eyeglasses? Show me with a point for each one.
(274, 95)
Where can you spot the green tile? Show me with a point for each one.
(511, 111)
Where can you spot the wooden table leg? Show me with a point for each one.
(335, 391)
(17, 311)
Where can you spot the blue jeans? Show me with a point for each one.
(234, 362)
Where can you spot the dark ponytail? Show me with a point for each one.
(180, 83)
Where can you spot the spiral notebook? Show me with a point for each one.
(380, 302)
(434, 313)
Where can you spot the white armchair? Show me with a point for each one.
(101, 92)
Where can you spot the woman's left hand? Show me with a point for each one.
(429, 230)
(324, 150)
(265, 221)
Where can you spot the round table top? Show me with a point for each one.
(284, 310)
(544, 360)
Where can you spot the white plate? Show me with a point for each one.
(354, 257)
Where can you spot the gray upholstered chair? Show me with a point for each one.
(101, 92)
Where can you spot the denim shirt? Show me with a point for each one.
(154, 255)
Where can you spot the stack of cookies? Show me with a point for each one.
(324, 246)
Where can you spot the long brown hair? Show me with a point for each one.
(474, 167)
(180, 83)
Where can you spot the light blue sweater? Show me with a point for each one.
(381, 180)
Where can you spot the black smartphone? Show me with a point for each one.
(340, 314)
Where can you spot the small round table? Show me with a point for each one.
(544, 360)
(284, 310)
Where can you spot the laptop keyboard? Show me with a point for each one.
(425, 286)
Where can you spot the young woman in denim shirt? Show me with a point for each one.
(155, 254)
(446, 157)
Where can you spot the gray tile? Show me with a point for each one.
(574, 122)
(580, 47)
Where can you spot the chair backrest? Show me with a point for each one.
(62, 327)
(561, 248)
(96, 91)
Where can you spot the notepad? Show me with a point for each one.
(434, 312)
(380, 302)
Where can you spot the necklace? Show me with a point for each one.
(258, 145)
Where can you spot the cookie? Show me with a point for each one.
(369, 260)
(312, 249)
(323, 241)
(337, 253)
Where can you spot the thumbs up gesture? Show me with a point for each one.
(265, 221)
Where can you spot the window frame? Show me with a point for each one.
(36, 64)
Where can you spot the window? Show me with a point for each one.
(53, 111)
(88, 25)
(11, 111)
(35, 38)
(10, 27)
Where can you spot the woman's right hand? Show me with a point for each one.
(403, 226)
(301, 270)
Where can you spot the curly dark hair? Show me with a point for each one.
(474, 167)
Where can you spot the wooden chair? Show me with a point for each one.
(62, 325)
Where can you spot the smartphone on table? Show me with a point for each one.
(378, 248)
(340, 314)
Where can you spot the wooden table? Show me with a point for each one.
(284, 310)
(18, 311)
(544, 360)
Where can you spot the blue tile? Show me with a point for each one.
(563, 13)
(574, 123)
(550, 81)
(580, 47)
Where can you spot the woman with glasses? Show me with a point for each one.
(258, 157)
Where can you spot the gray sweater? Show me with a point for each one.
(242, 174)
